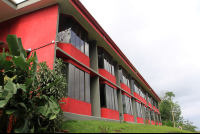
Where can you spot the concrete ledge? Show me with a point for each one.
(72, 116)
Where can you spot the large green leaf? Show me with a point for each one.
(8, 65)
(23, 128)
(21, 104)
(34, 67)
(22, 50)
(2, 59)
(2, 103)
(28, 82)
(21, 86)
(4, 95)
(11, 87)
(10, 111)
(13, 45)
(19, 61)
(52, 116)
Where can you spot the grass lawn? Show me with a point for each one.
(114, 127)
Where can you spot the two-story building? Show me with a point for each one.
(102, 82)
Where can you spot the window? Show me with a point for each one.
(78, 83)
(108, 97)
(139, 110)
(71, 32)
(127, 105)
(139, 89)
(146, 113)
(105, 61)
(149, 98)
(151, 113)
(124, 76)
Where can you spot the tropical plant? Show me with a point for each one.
(23, 105)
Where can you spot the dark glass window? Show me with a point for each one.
(78, 83)
(151, 113)
(77, 37)
(139, 89)
(139, 110)
(146, 113)
(116, 101)
(71, 80)
(86, 44)
(127, 105)
(82, 41)
(124, 76)
(77, 87)
(108, 97)
(105, 61)
(87, 87)
(82, 86)
(71, 32)
(100, 58)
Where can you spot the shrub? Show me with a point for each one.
(26, 105)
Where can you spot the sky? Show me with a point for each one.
(161, 38)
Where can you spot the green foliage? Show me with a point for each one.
(146, 122)
(46, 76)
(115, 127)
(187, 125)
(26, 105)
(166, 114)
(104, 129)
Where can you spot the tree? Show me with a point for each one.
(165, 109)
(170, 95)
(189, 126)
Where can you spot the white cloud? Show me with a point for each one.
(162, 40)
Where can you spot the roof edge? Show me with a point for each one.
(101, 30)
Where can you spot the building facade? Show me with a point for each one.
(102, 83)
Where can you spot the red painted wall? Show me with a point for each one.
(140, 120)
(107, 75)
(150, 105)
(160, 123)
(76, 106)
(140, 98)
(75, 53)
(152, 122)
(154, 108)
(125, 87)
(128, 117)
(109, 114)
(36, 29)
(126, 94)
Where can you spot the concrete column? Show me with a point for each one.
(120, 106)
(95, 96)
(134, 110)
(131, 85)
(116, 68)
(143, 112)
(154, 116)
(93, 54)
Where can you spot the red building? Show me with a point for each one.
(102, 82)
